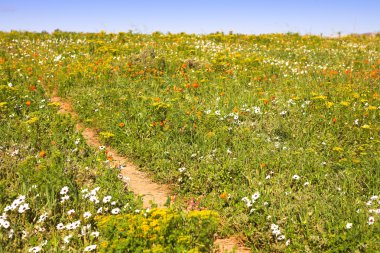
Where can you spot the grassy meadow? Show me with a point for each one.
(274, 139)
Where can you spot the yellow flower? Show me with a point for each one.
(320, 97)
(345, 103)
(145, 228)
(371, 108)
(32, 120)
(106, 135)
(55, 104)
(365, 126)
(329, 104)
(338, 149)
(104, 244)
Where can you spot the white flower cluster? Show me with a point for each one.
(18, 203)
(92, 196)
(3, 221)
(276, 232)
(373, 200)
(250, 201)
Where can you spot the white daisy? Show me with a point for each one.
(64, 198)
(64, 190)
(87, 215)
(5, 224)
(90, 248)
(43, 217)
(273, 226)
(255, 196)
(94, 199)
(276, 232)
(35, 249)
(296, 177)
(371, 220)
(95, 234)
(67, 238)
(60, 226)
(23, 208)
(107, 199)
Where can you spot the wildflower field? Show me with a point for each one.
(271, 139)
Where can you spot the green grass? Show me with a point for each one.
(242, 114)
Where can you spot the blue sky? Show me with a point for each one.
(193, 16)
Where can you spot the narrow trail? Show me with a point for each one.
(230, 244)
(138, 181)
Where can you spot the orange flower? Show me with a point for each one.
(195, 85)
(121, 125)
(42, 154)
(28, 103)
(32, 88)
(109, 158)
(224, 195)
(187, 85)
(334, 120)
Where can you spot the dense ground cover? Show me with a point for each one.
(277, 133)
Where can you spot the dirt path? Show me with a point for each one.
(231, 244)
(138, 182)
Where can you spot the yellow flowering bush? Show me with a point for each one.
(158, 230)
